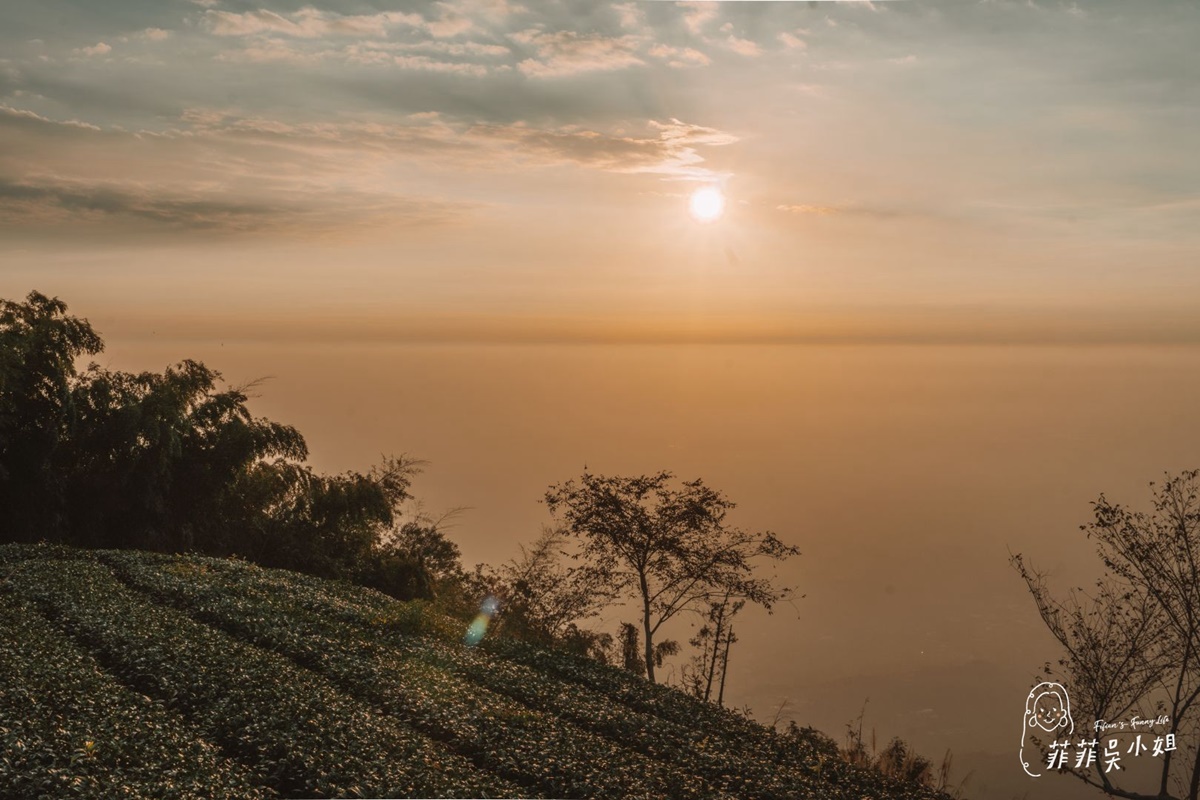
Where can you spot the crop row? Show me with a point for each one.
(533, 747)
(811, 760)
(732, 753)
(307, 738)
(376, 612)
(68, 729)
(733, 764)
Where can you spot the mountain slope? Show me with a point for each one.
(128, 674)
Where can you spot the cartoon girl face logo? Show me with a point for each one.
(1048, 708)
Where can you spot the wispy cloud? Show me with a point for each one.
(629, 14)
(792, 42)
(807, 208)
(743, 47)
(265, 50)
(215, 176)
(307, 23)
(821, 210)
(568, 53)
(312, 23)
(697, 15)
(98, 49)
(679, 57)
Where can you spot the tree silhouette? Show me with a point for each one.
(670, 547)
(39, 344)
(174, 462)
(1132, 645)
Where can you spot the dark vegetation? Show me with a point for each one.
(1132, 643)
(172, 462)
(143, 656)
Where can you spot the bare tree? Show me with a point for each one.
(1133, 643)
(712, 643)
(670, 547)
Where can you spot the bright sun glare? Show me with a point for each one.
(707, 204)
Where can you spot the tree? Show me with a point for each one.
(170, 461)
(39, 344)
(414, 559)
(713, 641)
(1132, 645)
(670, 547)
(543, 600)
(156, 459)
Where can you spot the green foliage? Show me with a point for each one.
(304, 737)
(313, 687)
(418, 618)
(70, 730)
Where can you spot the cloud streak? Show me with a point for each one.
(569, 53)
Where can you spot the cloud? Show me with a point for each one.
(819, 211)
(671, 149)
(792, 42)
(569, 53)
(629, 15)
(270, 49)
(697, 15)
(57, 202)
(679, 57)
(743, 47)
(26, 204)
(218, 175)
(683, 133)
(451, 23)
(312, 23)
(457, 48)
(155, 34)
(433, 65)
(98, 49)
(850, 210)
(217, 171)
(307, 23)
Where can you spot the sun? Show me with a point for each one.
(706, 204)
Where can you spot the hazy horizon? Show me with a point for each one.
(905, 474)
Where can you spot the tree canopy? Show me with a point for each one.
(669, 546)
(174, 462)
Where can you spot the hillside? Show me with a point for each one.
(126, 674)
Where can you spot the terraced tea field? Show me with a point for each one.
(130, 675)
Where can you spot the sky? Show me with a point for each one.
(488, 169)
(951, 298)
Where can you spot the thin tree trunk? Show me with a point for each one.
(725, 666)
(646, 627)
(712, 666)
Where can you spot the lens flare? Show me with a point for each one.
(479, 625)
